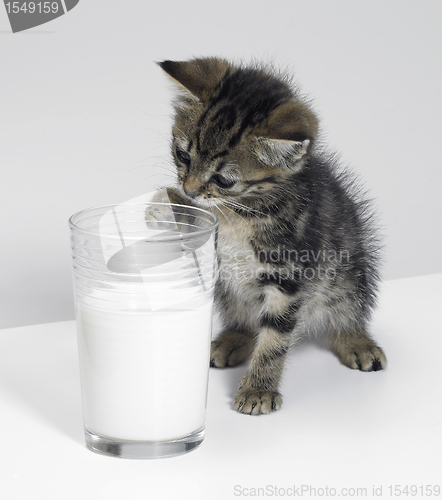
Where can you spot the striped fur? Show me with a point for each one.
(297, 247)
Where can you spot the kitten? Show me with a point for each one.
(297, 251)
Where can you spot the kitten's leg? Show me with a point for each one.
(258, 392)
(231, 348)
(236, 342)
(358, 350)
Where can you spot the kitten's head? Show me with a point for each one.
(238, 132)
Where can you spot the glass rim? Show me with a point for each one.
(170, 237)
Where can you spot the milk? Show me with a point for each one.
(144, 373)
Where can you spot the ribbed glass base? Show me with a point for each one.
(123, 448)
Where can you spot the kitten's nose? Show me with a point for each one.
(191, 194)
(192, 187)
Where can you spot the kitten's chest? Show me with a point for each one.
(239, 267)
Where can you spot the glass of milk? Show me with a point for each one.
(144, 277)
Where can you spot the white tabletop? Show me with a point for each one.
(338, 428)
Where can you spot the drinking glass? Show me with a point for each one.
(144, 277)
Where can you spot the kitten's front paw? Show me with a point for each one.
(371, 359)
(230, 349)
(257, 401)
(159, 216)
(361, 353)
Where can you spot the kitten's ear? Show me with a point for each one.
(280, 152)
(287, 135)
(198, 77)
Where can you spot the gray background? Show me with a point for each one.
(85, 118)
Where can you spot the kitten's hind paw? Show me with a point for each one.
(230, 349)
(257, 401)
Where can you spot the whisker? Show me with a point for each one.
(244, 207)
(158, 175)
(158, 186)
(166, 168)
(164, 164)
(225, 205)
(224, 215)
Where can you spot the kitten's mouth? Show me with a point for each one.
(207, 203)
(199, 200)
(203, 202)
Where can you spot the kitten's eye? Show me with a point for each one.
(183, 157)
(221, 181)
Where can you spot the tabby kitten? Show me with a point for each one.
(297, 251)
